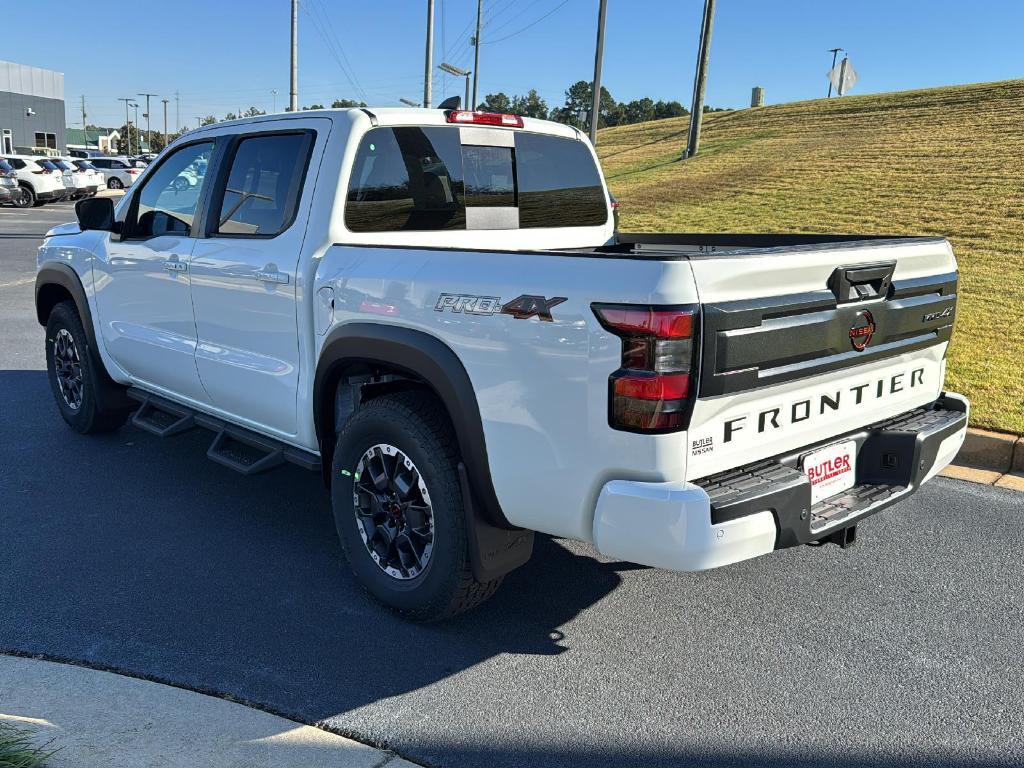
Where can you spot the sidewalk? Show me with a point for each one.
(104, 720)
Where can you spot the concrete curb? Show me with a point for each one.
(990, 458)
(102, 719)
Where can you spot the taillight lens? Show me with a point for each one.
(484, 118)
(653, 389)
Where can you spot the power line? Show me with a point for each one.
(528, 26)
(333, 48)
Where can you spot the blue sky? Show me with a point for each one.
(223, 55)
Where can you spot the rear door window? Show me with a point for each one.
(264, 184)
(419, 178)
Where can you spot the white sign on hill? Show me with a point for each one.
(843, 76)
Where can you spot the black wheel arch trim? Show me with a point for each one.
(427, 358)
(64, 276)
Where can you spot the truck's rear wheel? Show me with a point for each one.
(80, 387)
(399, 511)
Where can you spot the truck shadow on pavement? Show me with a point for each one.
(139, 555)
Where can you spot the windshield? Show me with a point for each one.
(5, 167)
(46, 164)
(61, 164)
(85, 165)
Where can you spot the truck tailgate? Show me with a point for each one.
(800, 344)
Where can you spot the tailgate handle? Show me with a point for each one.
(861, 283)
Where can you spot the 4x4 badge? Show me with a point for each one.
(521, 307)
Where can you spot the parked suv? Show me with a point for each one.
(39, 179)
(94, 180)
(119, 172)
(79, 183)
(8, 183)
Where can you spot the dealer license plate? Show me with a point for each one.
(831, 470)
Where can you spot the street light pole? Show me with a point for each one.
(138, 147)
(273, 95)
(476, 58)
(598, 56)
(149, 138)
(428, 64)
(700, 82)
(835, 53)
(127, 125)
(293, 93)
(165, 121)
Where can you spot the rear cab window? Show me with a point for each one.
(430, 178)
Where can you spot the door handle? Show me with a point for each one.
(267, 275)
(173, 265)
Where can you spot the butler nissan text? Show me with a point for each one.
(432, 308)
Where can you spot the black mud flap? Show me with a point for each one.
(493, 551)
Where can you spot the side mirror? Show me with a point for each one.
(95, 213)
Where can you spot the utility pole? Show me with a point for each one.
(273, 95)
(165, 121)
(149, 139)
(700, 81)
(199, 122)
(598, 56)
(177, 113)
(84, 129)
(293, 93)
(835, 53)
(127, 126)
(476, 58)
(428, 64)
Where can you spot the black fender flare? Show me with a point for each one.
(426, 358)
(64, 276)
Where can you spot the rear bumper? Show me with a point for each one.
(752, 510)
(50, 194)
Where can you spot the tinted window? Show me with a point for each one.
(423, 178)
(264, 184)
(16, 163)
(559, 185)
(61, 164)
(101, 163)
(490, 177)
(46, 164)
(167, 202)
(407, 179)
(5, 167)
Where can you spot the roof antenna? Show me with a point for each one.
(453, 102)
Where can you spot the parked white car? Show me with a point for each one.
(79, 183)
(118, 172)
(39, 184)
(94, 180)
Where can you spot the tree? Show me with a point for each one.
(636, 111)
(129, 139)
(530, 105)
(664, 109)
(253, 112)
(578, 103)
(346, 104)
(208, 120)
(312, 106)
(496, 102)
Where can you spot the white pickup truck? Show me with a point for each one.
(434, 310)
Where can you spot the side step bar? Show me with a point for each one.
(233, 446)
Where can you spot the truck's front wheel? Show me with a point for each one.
(398, 508)
(87, 399)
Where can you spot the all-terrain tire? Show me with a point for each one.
(95, 404)
(416, 425)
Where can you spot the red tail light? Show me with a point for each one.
(652, 391)
(484, 118)
(133, 171)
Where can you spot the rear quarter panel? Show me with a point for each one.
(542, 387)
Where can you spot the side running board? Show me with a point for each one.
(233, 446)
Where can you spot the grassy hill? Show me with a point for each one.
(944, 161)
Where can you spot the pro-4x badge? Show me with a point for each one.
(521, 307)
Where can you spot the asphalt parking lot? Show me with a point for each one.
(134, 554)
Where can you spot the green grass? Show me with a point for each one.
(19, 750)
(944, 161)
